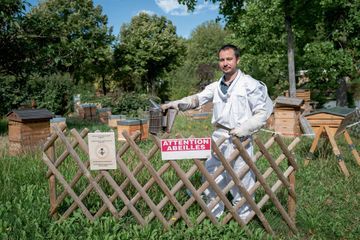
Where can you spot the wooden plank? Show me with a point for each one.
(275, 167)
(274, 188)
(86, 172)
(314, 144)
(267, 189)
(123, 197)
(74, 144)
(291, 200)
(158, 179)
(242, 189)
(241, 174)
(222, 196)
(332, 123)
(83, 194)
(126, 182)
(352, 147)
(52, 138)
(71, 192)
(285, 151)
(142, 192)
(321, 116)
(52, 183)
(335, 148)
(266, 174)
(196, 195)
(287, 114)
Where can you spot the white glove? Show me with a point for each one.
(250, 126)
(183, 104)
(172, 105)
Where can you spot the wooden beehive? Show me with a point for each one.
(304, 94)
(131, 126)
(87, 111)
(57, 121)
(104, 114)
(113, 119)
(27, 129)
(328, 117)
(286, 116)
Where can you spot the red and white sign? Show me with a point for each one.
(185, 148)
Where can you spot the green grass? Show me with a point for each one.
(327, 206)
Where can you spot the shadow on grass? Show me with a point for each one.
(3, 126)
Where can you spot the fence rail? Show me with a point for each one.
(141, 187)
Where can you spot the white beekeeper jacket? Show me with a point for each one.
(246, 105)
(246, 101)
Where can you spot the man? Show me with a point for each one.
(240, 103)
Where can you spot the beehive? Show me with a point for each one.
(57, 121)
(87, 111)
(304, 94)
(332, 117)
(286, 116)
(27, 129)
(131, 126)
(104, 114)
(113, 119)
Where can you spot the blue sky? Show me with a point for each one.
(121, 11)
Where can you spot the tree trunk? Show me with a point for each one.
(291, 60)
(103, 85)
(341, 94)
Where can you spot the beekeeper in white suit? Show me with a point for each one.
(240, 103)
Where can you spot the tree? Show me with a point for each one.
(66, 35)
(325, 33)
(148, 47)
(12, 47)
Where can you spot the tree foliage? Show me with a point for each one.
(12, 45)
(326, 37)
(148, 47)
(66, 35)
(199, 65)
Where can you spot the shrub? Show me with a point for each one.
(129, 103)
(53, 92)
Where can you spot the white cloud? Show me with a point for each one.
(172, 7)
(146, 11)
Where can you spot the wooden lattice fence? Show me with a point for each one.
(147, 188)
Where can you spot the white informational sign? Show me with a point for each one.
(194, 148)
(102, 150)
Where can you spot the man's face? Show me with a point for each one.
(228, 61)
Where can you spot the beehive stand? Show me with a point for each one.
(331, 124)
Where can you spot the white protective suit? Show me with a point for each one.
(246, 107)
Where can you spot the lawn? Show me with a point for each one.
(327, 206)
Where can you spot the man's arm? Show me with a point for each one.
(261, 107)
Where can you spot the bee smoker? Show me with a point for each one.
(161, 120)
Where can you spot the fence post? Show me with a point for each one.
(291, 200)
(52, 182)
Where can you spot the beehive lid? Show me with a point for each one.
(337, 111)
(29, 115)
(131, 122)
(288, 101)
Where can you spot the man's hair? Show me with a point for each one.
(230, 46)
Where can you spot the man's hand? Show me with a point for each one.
(240, 132)
(183, 104)
(172, 104)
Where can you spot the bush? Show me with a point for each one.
(53, 92)
(12, 94)
(130, 103)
